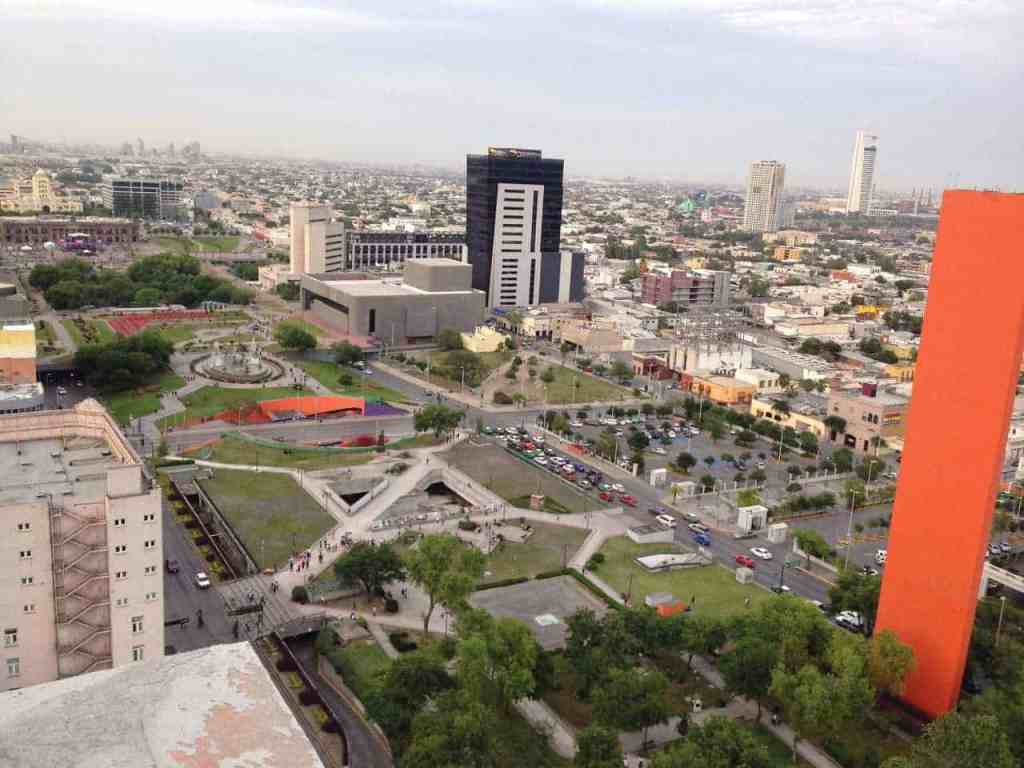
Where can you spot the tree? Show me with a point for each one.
(718, 743)
(811, 542)
(125, 362)
(784, 380)
(685, 461)
(836, 424)
(707, 482)
(437, 418)
(632, 699)
(889, 662)
(596, 645)
(496, 657)
(564, 350)
(598, 747)
(147, 297)
(548, 375)
(449, 339)
(701, 635)
(857, 591)
(638, 441)
(747, 668)
(716, 430)
(372, 565)
(457, 731)
(958, 741)
(446, 569)
(621, 371)
(410, 682)
(293, 336)
(842, 459)
(347, 353)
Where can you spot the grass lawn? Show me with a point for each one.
(46, 339)
(574, 386)
(225, 244)
(132, 403)
(176, 333)
(363, 665)
(361, 386)
(209, 401)
(489, 361)
(779, 754)
(542, 552)
(716, 589)
(232, 450)
(271, 515)
(97, 331)
(174, 245)
(308, 327)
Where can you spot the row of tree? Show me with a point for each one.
(125, 362)
(150, 281)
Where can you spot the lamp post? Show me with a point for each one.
(849, 530)
(999, 626)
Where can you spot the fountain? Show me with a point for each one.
(237, 364)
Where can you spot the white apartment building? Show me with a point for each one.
(762, 211)
(862, 173)
(81, 554)
(317, 242)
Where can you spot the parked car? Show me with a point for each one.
(618, 487)
(584, 484)
(628, 500)
(667, 520)
(698, 527)
(746, 562)
(881, 556)
(173, 566)
(658, 450)
(202, 580)
(657, 511)
(761, 552)
(606, 496)
(702, 539)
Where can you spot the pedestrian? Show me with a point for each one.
(746, 603)
(352, 616)
(321, 558)
(693, 599)
(291, 564)
(373, 610)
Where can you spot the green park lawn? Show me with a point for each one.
(574, 386)
(176, 333)
(718, 593)
(209, 401)
(225, 244)
(541, 553)
(174, 245)
(363, 665)
(269, 512)
(361, 386)
(232, 450)
(46, 340)
(142, 401)
(308, 327)
(101, 332)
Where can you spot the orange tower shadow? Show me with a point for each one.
(964, 387)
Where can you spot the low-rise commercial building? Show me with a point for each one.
(796, 365)
(764, 381)
(724, 390)
(872, 416)
(81, 555)
(804, 412)
(37, 230)
(483, 339)
(17, 352)
(22, 398)
(811, 327)
(431, 295)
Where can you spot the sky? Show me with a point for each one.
(690, 90)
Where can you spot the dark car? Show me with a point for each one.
(172, 566)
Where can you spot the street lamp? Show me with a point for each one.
(999, 626)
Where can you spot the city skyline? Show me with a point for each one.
(709, 90)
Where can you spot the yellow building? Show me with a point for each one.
(902, 351)
(902, 372)
(788, 254)
(483, 339)
(697, 262)
(805, 414)
(723, 389)
(866, 311)
(38, 196)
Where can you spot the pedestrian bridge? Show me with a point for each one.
(999, 576)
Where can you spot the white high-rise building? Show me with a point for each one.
(763, 211)
(862, 173)
(317, 242)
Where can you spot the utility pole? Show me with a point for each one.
(999, 626)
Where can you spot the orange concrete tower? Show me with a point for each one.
(964, 387)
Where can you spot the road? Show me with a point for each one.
(183, 599)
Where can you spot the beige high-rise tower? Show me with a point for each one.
(763, 209)
(317, 242)
(862, 173)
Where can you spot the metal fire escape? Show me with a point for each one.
(81, 588)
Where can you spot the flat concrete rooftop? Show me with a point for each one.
(213, 707)
(76, 470)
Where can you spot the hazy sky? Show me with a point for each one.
(689, 89)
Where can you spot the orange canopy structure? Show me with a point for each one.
(313, 405)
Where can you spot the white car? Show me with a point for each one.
(658, 450)
(672, 434)
(761, 552)
(541, 460)
(667, 520)
(202, 580)
(618, 487)
(881, 555)
(576, 424)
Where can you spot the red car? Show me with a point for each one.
(629, 501)
(606, 496)
(746, 562)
